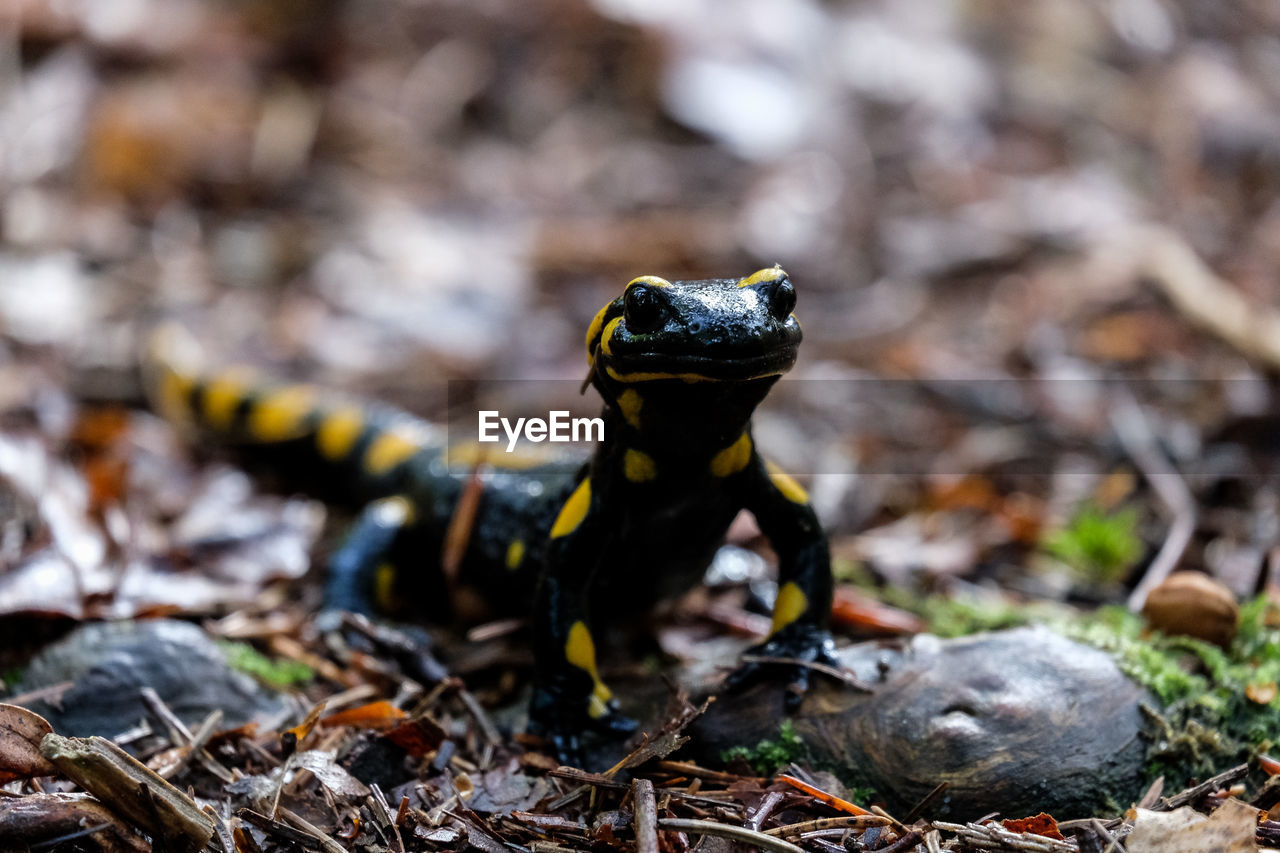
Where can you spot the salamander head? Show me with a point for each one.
(719, 330)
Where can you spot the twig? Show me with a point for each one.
(182, 736)
(487, 728)
(905, 842)
(734, 833)
(919, 808)
(384, 808)
(837, 803)
(995, 835)
(52, 691)
(306, 827)
(1140, 443)
(767, 805)
(1204, 297)
(826, 669)
(688, 768)
(860, 821)
(277, 829)
(196, 749)
(893, 821)
(178, 731)
(584, 777)
(645, 819)
(220, 830)
(71, 836)
(1223, 780)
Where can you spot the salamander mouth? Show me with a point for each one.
(653, 367)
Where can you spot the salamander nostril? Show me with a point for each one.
(782, 298)
(643, 309)
(695, 327)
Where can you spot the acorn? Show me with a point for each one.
(1194, 605)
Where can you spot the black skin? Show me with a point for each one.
(669, 477)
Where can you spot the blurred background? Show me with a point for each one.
(973, 198)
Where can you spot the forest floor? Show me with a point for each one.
(1037, 251)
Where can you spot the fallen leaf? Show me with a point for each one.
(1230, 829)
(852, 610)
(335, 778)
(417, 737)
(1041, 824)
(20, 734)
(375, 715)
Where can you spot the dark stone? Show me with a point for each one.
(110, 663)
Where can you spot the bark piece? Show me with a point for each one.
(130, 790)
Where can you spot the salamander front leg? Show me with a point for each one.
(569, 696)
(802, 611)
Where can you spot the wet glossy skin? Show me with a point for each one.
(681, 367)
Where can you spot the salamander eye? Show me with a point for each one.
(781, 296)
(642, 308)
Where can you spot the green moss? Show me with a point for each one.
(852, 572)
(281, 674)
(11, 678)
(961, 615)
(1207, 717)
(769, 756)
(1099, 546)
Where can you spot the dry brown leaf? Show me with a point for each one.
(20, 734)
(1041, 824)
(1230, 829)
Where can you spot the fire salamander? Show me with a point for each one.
(681, 365)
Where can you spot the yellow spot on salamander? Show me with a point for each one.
(733, 458)
(607, 336)
(790, 489)
(772, 273)
(282, 414)
(629, 403)
(339, 431)
(173, 395)
(388, 450)
(791, 603)
(384, 588)
(223, 395)
(580, 651)
(593, 331)
(638, 466)
(515, 554)
(395, 511)
(573, 511)
(170, 368)
(653, 280)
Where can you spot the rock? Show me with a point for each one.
(1018, 721)
(110, 662)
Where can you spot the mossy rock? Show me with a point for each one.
(1014, 721)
